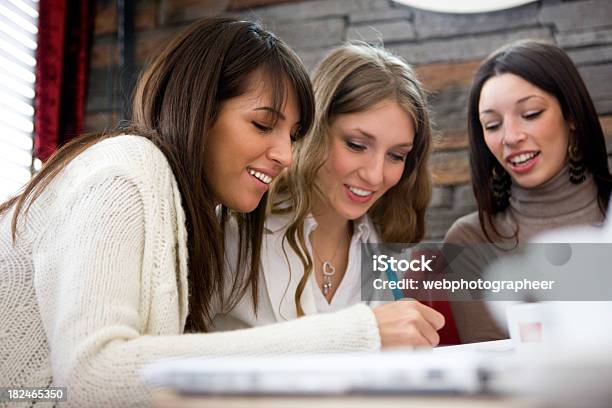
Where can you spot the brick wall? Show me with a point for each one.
(445, 49)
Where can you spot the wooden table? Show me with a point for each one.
(166, 399)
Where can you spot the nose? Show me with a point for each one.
(513, 133)
(372, 172)
(279, 151)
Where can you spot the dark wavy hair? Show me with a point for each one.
(549, 68)
(175, 103)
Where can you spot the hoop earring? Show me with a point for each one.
(500, 186)
(577, 169)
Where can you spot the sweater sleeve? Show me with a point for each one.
(90, 283)
(472, 318)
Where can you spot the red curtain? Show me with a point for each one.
(64, 42)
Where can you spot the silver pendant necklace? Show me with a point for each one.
(328, 273)
(328, 268)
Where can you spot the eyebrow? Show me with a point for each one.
(272, 111)
(523, 99)
(528, 97)
(373, 138)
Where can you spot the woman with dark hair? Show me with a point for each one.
(359, 177)
(115, 248)
(537, 154)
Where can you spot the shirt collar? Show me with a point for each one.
(364, 230)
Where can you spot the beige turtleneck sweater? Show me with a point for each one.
(555, 204)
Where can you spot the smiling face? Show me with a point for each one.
(524, 128)
(366, 158)
(245, 149)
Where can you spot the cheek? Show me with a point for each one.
(394, 175)
(494, 145)
(243, 148)
(211, 154)
(326, 177)
(339, 165)
(558, 137)
(219, 141)
(561, 147)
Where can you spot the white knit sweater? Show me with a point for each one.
(95, 286)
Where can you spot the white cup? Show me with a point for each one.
(560, 324)
(530, 324)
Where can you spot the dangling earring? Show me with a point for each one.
(500, 186)
(577, 169)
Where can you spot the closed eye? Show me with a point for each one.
(532, 114)
(397, 157)
(261, 127)
(355, 146)
(491, 126)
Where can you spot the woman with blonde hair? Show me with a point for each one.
(359, 177)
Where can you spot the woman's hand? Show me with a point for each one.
(408, 323)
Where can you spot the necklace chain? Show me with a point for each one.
(328, 268)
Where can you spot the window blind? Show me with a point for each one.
(18, 38)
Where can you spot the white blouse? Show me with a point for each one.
(348, 292)
(281, 271)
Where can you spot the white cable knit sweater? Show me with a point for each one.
(96, 285)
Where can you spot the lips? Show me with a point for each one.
(521, 158)
(359, 191)
(358, 195)
(523, 162)
(264, 176)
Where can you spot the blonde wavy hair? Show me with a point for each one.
(354, 78)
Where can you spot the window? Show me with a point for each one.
(471, 6)
(18, 34)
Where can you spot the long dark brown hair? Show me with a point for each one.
(549, 68)
(175, 103)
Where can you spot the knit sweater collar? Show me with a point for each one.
(555, 198)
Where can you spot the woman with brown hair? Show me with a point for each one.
(359, 177)
(115, 249)
(538, 159)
